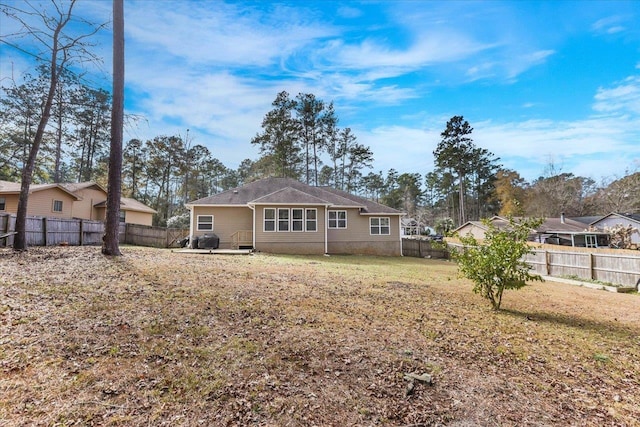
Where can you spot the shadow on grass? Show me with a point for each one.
(604, 327)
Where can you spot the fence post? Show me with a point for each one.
(6, 230)
(547, 264)
(591, 270)
(44, 230)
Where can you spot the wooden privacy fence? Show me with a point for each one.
(43, 231)
(423, 248)
(621, 269)
(145, 235)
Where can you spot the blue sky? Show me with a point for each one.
(542, 82)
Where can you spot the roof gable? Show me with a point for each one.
(289, 195)
(78, 186)
(628, 216)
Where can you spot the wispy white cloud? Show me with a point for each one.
(625, 97)
(609, 25)
(218, 33)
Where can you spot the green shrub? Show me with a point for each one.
(497, 263)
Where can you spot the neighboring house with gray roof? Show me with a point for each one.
(557, 231)
(283, 215)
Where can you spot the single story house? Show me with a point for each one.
(557, 231)
(283, 215)
(83, 200)
(624, 219)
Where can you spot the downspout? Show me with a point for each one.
(400, 234)
(326, 229)
(190, 222)
(253, 226)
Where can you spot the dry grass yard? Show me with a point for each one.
(159, 338)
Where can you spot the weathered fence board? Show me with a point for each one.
(620, 269)
(41, 231)
(159, 237)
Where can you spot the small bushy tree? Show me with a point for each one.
(497, 263)
(621, 235)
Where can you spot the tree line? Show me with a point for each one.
(299, 139)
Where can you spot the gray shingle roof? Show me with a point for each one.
(291, 191)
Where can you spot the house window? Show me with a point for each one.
(3, 203)
(57, 205)
(591, 241)
(283, 219)
(297, 219)
(312, 220)
(123, 216)
(379, 225)
(269, 219)
(337, 219)
(204, 223)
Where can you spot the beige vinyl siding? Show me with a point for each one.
(358, 229)
(84, 208)
(226, 221)
(473, 230)
(41, 203)
(290, 241)
(142, 218)
(357, 237)
(11, 203)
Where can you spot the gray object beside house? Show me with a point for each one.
(283, 215)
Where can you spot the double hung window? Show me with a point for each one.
(337, 219)
(205, 223)
(379, 225)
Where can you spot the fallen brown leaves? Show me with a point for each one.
(161, 338)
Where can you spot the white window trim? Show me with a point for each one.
(281, 220)
(274, 220)
(315, 220)
(198, 223)
(53, 208)
(379, 226)
(337, 220)
(301, 220)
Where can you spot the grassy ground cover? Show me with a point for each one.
(161, 338)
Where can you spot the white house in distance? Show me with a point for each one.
(624, 219)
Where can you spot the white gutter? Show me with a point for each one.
(400, 233)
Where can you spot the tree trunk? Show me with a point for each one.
(111, 239)
(20, 240)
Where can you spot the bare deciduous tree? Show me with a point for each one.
(58, 51)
